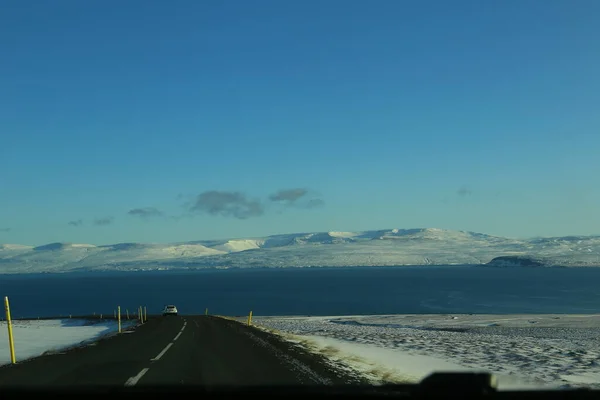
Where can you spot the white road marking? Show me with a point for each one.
(196, 322)
(134, 379)
(162, 353)
(180, 332)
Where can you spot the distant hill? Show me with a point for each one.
(386, 247)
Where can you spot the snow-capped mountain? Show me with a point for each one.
(385, 247)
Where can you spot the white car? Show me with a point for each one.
(170, 310)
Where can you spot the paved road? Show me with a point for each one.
(185, 350)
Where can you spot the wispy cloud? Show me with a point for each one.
(225, 203)
(103, 221)
(297, 197)
(464, 191)
(5, 229)
(145, 212)
(288, 195)
(313, 203)
(77, 222)
(238, 205)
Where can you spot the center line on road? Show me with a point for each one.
(162, 353)
(177, 337)
(134, 379)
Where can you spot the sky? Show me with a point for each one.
(155, 121)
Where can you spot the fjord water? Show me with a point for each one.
(310, 291)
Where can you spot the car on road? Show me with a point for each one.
(170, 310)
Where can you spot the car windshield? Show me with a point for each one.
(335, 192)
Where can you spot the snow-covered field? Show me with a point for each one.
(35, 337)
(522, 351)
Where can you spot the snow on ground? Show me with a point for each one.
(35, 337)
(522, 351)
(344, 234)
(239, 245)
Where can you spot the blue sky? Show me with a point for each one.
(165, 121)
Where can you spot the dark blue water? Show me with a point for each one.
(312, 291)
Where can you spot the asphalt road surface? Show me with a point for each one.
(184, 350)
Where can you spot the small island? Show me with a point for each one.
(517, 261)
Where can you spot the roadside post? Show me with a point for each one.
(11, 340)
(145, 314)
(250, 318)
(119, 317)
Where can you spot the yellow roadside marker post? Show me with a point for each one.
(206, 312)
(119, 317)
(250, 318)
(11, 339)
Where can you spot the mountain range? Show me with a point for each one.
(387, 247)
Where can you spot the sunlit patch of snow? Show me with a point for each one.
(15, 247)
(585, 378)
(239, 245)
(63, 246)
(185, 250)
(343, 234)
